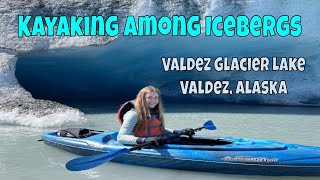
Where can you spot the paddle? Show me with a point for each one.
(88, 162)
(207, 125)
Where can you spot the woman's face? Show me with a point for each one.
(152, 99)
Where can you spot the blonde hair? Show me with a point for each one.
(143, 110)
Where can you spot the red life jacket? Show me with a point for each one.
(154, 126)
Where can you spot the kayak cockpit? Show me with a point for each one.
(221, 144)
(202, 141)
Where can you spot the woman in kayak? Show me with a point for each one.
(144, 121)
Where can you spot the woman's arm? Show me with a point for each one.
(125, 135)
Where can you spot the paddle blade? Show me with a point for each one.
(88, 162)
(209, 125)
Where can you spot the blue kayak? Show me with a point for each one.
(203, 153)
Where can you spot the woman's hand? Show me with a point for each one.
(187, 131)
(155, 140)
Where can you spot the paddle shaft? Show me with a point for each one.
(140, 146)
(198, 129)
